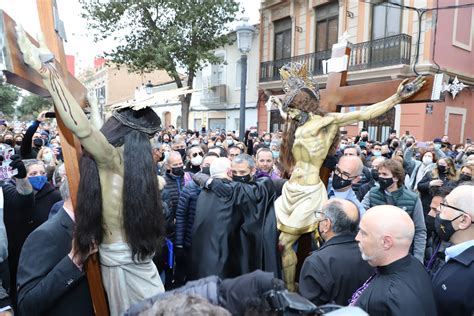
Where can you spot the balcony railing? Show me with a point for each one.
(214, 95)
(393, 50)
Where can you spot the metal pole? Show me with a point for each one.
(243, 88)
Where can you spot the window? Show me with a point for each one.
(197, 124)
(215, 123)
(282, 43)
(386, 20)
(326, 26)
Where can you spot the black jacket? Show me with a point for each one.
(453, 285)
(236, 234)
(425, 193)
(27, 150)
(185, 214)
(48, 281)
(334, 272)
(22, 215)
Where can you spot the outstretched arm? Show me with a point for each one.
(66, 106)
(405, 90)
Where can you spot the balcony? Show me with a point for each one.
(388, 51)
(214, 95)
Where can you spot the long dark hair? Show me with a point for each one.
(306, 102)
(143, 220)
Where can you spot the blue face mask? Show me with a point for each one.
(38, 182)
(437, 146)
(275, 154)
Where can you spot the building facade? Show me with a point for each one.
(216, 102)
(115, 84)
(386, 43)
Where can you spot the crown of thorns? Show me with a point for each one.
(122, 119)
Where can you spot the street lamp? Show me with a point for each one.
(149, 87)
(244, 43)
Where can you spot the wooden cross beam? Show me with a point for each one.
(21, 75)
(338, 94)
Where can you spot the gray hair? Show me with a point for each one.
(64, 190)
(341, 223)
(30, 162)
(219, 167)
(245, 158)
(58, 175)
(356, 147)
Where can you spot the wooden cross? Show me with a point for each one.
(19, 74)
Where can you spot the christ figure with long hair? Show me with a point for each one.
(119, 205)
(309, 136)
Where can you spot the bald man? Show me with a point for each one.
(454, 283)
(401, 285)
(333, 272)
(347, 173)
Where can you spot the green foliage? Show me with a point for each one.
(8, 96)
(32, 105)
(162, 34)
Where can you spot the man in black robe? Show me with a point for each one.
(235, 233)
(400, 285)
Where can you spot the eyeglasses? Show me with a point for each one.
(444, 204)
(344, 175)
(319, 215)
(199, 153)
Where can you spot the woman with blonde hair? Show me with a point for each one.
(47, 156)
(466, 172)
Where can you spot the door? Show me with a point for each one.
(379, 127)
(215, 123)
(455, 128)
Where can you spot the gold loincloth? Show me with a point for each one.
(295, 207)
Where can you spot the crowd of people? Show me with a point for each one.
(395, 237)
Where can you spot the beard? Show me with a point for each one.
(368, 258)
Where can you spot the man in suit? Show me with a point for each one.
(50, 277)
(453, 284)
(332, 273)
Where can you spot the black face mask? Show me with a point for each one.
(444, 227)
(9, 142)
(442, 169)
(408, 144)
(243, 179)
(469, 153)
(206, 170)
(38, 142)
(18, 142)
(385, 182)
(195, 169)
(178, 171)
(365, 139)
(182, 152)
(395, 144)
(339, 183)
(375, 174)
(430, 223)
(465, 177)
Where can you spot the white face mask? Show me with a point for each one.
(48, 157)
(195, 142)
(196, 161)
(427, 160)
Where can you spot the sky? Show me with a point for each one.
(79, 43)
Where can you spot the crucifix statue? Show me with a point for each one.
(119, 203)
(19, 74)
(311, 133)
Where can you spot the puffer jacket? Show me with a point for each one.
(185, 214)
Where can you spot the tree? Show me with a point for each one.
(32, 105)
(163, 34)
(8, 96)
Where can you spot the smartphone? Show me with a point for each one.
(50, 115)
(421, 145)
